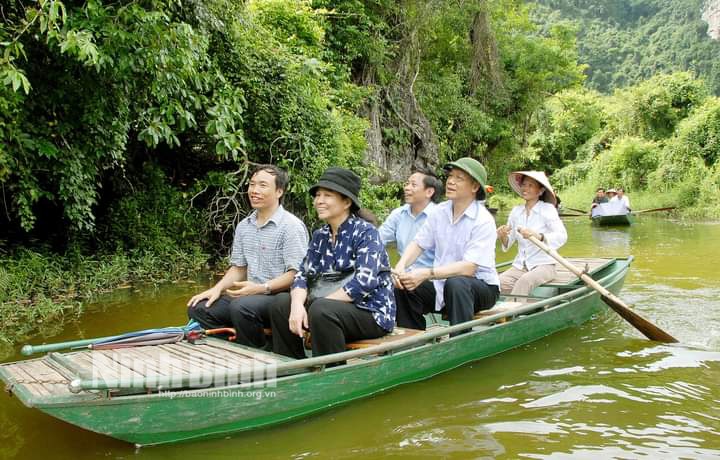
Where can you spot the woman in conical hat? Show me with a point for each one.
(538, 217)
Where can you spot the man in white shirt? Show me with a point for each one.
(621, 197)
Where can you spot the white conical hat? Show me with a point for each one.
(515, 179)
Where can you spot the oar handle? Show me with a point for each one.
(648, 329)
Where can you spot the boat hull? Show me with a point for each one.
(148, 419)
(613, 220)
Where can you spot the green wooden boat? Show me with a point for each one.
(182, 391)
(614, 220)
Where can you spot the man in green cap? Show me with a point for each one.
(461, 232)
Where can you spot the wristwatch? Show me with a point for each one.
(267, 288)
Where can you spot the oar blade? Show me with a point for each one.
(647, 328)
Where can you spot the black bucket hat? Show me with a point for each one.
(340, 180)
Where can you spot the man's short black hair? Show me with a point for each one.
(430, 180)
(600, 189)
(281, 176)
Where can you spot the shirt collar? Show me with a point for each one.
(275, 218)
(471, 211)
(406, 209)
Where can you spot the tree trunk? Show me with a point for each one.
(485, 74)
(395, 110)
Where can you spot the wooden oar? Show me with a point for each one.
(648, 329)
(669, 208)
(576, 210)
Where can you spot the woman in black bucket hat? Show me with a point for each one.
(349, 249)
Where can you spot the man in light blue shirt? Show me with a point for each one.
(462, 234)
(421, 191)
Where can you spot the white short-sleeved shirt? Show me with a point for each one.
(472, 239)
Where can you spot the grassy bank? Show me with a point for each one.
(39, 291)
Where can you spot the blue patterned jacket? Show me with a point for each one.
(357, 247)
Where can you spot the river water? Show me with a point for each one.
(597, 391)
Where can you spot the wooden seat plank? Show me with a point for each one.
(254, 353)
(397, 334)
(49, 378)
(96, 363)
(218, 355)
(191, 361)
(23, 377)
(137, 359)
(500, 307)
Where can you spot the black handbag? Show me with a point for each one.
(325, 284)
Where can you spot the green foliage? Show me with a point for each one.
(627, 163)
(653, 108)
(150, 217)
(699, 134)
(103, 74)
(627, 42)
(566, 122)
(490, 121)
(660, 139)
(39, 290)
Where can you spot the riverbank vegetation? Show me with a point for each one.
(128, 129)
(659, 140)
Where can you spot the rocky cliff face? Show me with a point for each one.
(711, 15)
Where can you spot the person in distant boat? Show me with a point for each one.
(363, 307)
(623, 198)
(537, 217)
(461, 232)
(600, 197)
(268, 247)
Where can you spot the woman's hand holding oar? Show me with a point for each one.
(648, 329)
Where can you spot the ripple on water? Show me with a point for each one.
(690, 315)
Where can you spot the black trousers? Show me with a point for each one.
(412, 305)
(248, 315)
(463, 295)
(332, 324)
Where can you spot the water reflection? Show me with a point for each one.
(613, 240)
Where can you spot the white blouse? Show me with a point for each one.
(543, 219)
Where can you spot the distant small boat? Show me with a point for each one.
(616, 219)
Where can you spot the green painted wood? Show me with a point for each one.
(147, 419)
(616, 220)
